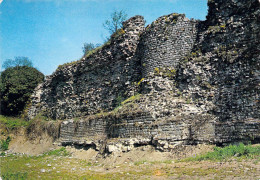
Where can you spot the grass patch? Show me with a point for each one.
(12, 123)
(49, 167)
(15, 175)
(58, 152)
(38, 127)
(54, 165)
(238, 151)
(4, 144)
(131, 99)
(140, 162)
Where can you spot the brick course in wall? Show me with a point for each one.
(191, 82)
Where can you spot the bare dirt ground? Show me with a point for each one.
(143, 153)
(148, 163)
(143, 162)
(21, 144)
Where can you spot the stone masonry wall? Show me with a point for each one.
(223, 68)
(96, 82)
(198, 82)
(166, 41)
(138, 128)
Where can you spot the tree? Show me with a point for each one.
(115, 23)
(18, 61)
(16, 86)
(89, 47)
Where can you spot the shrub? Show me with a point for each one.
(88, 47)
(16, 86)
(4, 144)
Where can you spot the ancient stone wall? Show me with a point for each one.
(223, 68)
(238, 131)
(166, 41)
(96, 82)
(139, 129)
(198, 82)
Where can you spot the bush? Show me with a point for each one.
(4, 144)
(88, 47)
(16, 86)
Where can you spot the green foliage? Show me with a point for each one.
(96, 49)
(140, 81)
(58, 152)
(18, 61)
(195, 55)
(117, 34)
(15, 175)
(241, 150)
(131, 99)
(115, 21)
(89, 53)
(16, 86)
(10, 123)
(89, 47)
(4, 144)
(140, 162)
(119, 99)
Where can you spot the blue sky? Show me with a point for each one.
(52, 32)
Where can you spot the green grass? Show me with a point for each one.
(12, 123)
(15, 175)
(140, 162)
(57, 165)
(58, 152)
(131, 99)
(4, 144)
(238, 151)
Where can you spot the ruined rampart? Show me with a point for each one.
(177, 81)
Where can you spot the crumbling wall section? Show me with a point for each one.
(94, 84)
(199, 83)
(166, 41)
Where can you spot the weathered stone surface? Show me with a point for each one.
(92, 84)
(166, 41)
(198, 82)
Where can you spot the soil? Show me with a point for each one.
(143, 153)
(21, 144)
(143, 162)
